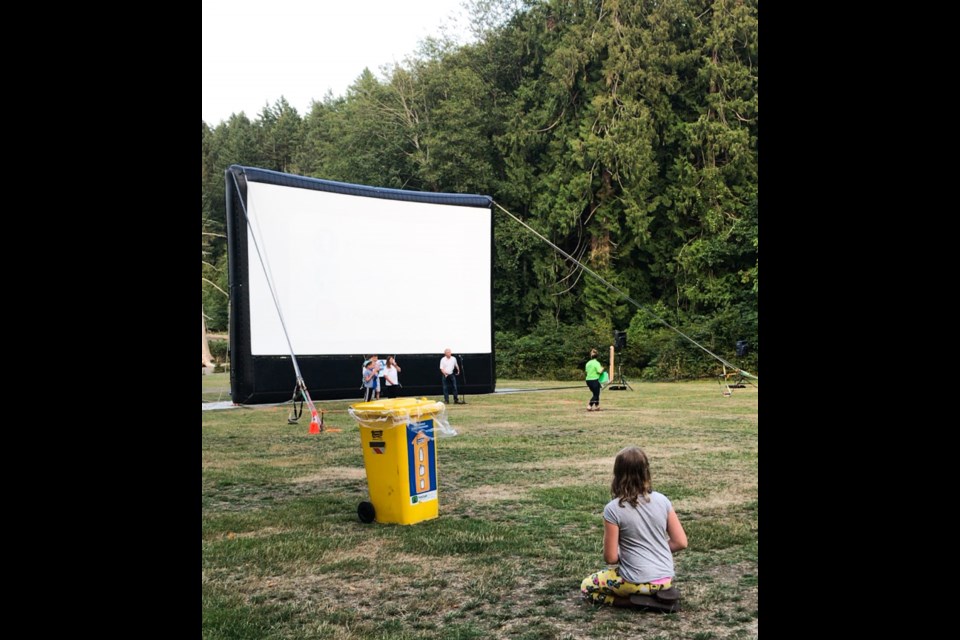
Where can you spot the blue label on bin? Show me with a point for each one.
(421, 456)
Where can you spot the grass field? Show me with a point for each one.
(521, 488)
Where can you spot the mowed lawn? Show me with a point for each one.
(521, 492)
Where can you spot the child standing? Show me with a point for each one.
(391, 378)
(641, 532)
(370, 380)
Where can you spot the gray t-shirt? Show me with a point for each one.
(644, 551)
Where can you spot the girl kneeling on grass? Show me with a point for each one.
(640, 532)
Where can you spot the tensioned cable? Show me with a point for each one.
(623, 293)
(316, 422)
(273, 293)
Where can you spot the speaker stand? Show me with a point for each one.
(620, 384)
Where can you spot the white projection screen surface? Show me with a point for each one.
(356, 271)
(355, 274)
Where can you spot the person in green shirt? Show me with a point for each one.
(594, 369)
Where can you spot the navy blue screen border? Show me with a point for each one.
(269, 379)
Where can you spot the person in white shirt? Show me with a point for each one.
(390, 378)
(380, 373)
(449, 368)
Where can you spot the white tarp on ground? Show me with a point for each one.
(212, 406)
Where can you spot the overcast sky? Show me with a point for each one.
(253, 52)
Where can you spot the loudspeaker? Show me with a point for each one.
(619, 339)
(742, 348)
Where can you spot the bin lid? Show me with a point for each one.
(398, 407)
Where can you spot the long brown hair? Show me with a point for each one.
(631, 476)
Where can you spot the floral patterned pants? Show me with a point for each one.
(601, 587)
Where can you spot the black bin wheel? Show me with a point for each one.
(365, 512)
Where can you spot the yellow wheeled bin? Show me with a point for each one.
(400, 457)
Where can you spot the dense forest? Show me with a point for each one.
(625, 131)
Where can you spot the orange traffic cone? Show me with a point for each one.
(315, 423)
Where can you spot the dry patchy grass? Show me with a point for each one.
(521, 491)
